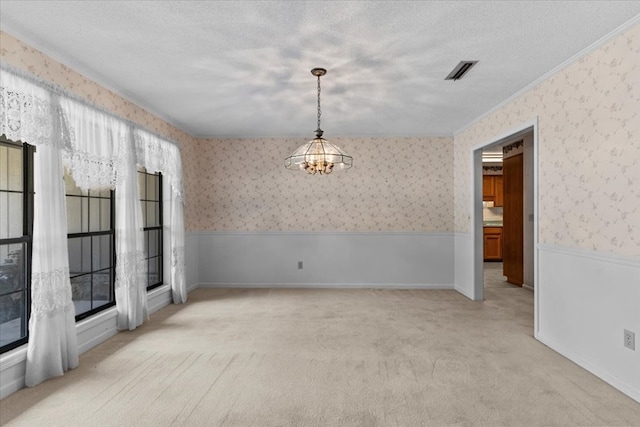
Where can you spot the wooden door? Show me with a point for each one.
(512, 231)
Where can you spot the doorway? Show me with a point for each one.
(526, 224)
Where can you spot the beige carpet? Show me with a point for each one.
(493, 277)
(279, 357)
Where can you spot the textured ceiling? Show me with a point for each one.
(241, 69)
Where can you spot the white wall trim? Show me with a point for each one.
(476, 209)
(322, 233)
(591, 254)
(159, 297)
(587, 298)
(616, 382)
(13, 357)
(575, 58)
(328, 285)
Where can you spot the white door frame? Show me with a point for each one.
(476, 212)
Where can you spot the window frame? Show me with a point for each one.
(28, 152)
(159, 228)
(91, 234)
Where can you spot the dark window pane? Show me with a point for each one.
(142, 189)
(10, 215)
(101, 288)
(74, 214)
(4, 167)
(13, 311)
(102, 254)
(100, 214)
(79, 255)
(152, 187)
(154, 243)
(151, 217)
(14, 169)
(81, 293)
(154, 273)
(105, 214)
(11, 268)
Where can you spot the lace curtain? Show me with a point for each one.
(131, 267)
(97, 153)
(159, 155)
(102, 155)
(28, 113)
(53, 346)
(100, 151)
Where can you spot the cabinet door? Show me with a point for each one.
(499, 198)
(492, 243)
(493, 247)
(488, 188)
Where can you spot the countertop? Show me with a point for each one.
(492, 223)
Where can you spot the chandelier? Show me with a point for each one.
(318, 155)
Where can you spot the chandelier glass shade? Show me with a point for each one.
(318, 155)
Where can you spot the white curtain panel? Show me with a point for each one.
(53, 346)
(131, 267)
(102, 156)
(100, 151)
(32, 114)
(158, 155)
(173, 231)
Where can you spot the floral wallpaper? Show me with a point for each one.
(589, 150)
(396, 184)
(24, 57)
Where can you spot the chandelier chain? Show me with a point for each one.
(319, 110)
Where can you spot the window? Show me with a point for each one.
(90, 222)
(150, 188)
(16, 228)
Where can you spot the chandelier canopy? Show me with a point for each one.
(318, 155)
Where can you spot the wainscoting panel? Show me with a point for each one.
(464, 265)
(191, 260)
(395, 260)
(587, 299)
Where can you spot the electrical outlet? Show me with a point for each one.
(299, 265)
(629, 339)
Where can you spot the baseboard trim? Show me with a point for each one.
(328, 285)
(600, 373)
(159, 298)
(11, 387)
(528, 287)
(97, 339)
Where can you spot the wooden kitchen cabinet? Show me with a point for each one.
(492, 189)
(493, 243)
(497, 187)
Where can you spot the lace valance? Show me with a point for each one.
(159, 155)
(98, 151)
(29, 113)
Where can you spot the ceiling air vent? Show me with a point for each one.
(461, 69)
